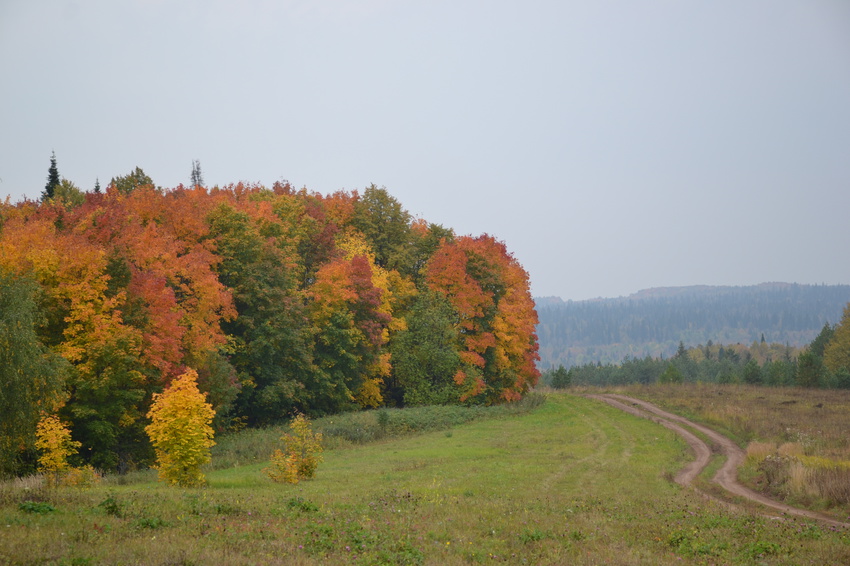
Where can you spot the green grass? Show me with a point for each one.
(573, 482)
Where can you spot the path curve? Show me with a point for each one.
(727, 476)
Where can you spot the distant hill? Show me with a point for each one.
(654, 321)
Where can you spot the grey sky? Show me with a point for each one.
(613, 145)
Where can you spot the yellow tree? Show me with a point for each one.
(53, 441)
(180, 431)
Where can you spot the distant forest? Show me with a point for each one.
(654, 322)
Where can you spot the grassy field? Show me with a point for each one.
(573, 482)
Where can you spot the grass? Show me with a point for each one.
(572, 482)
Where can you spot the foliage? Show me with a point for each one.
(301, 456)
(180, 431)
(30, 374)
(283, 301)
(53, 441)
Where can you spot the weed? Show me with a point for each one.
(37, 507)
(302, 505)
(112, 506)
(151, 523)
(531, 535)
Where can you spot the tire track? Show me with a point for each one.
(727, 476)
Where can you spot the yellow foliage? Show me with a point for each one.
(180, 431)
(53, 440)
(301, 456)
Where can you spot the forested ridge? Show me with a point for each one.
(653, 322)
(281, 300)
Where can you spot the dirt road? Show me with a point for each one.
(727, 476)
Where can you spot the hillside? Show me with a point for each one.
(654, 321)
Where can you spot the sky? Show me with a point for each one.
(613, 145)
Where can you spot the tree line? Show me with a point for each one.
(824, 363)
(652, 322)
(283, 301)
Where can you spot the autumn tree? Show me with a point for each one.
(180, 431)
(495, 317)
(54, 443)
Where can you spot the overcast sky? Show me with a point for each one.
(613, 145)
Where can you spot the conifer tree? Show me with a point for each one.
(197, 179)
(52, 179)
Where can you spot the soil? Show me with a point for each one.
(727, 476)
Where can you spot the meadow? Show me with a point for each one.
(573, 481)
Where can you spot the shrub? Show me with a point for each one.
(302, 456)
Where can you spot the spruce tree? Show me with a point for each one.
(197, 179)
(52, 179)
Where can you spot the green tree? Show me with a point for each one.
(68, 194)
(836, 354)
(131, 181)
(671, 374)
(752, 373)
(425, 354)
(52, 179)
(270, 337)
(810, 370)
(31, 376)
(386, 225)
(561, 378)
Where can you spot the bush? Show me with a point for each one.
(302, 456)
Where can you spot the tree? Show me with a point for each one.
(131, 181)
(836, 354)
(68, 194)
(197, 178)
(671, 374)
(53, 441)
(31, 376)
(425, 354)
(180, 431)
(52, 179)
(810, 371)
(561, 378)
(752, 373)
(97, 190)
